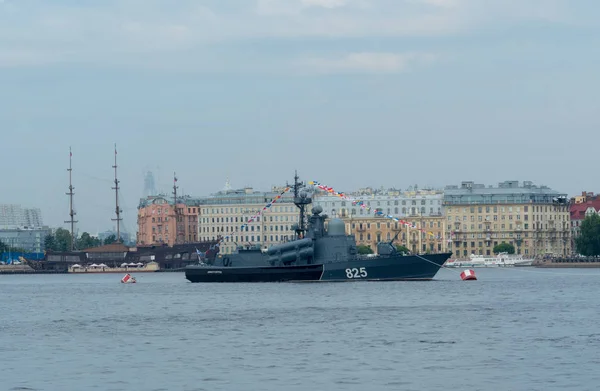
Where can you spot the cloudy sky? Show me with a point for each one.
(349, 92)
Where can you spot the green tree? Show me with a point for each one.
(402, 249)
(62, 239)
(50, 243)
(363, 249)
(3, 247)
(588, 240)
(110, 239)
(88, 241)
(504, 248)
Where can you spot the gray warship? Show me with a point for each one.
(318, 253)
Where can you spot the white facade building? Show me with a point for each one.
(14, 216)
(400, 204)
(224, 213)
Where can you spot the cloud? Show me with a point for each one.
(132, 31)
(325, 3)
(367, 62)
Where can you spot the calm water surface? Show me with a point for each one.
(513, 329)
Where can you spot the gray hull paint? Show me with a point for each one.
(408, 267)
(382, 268)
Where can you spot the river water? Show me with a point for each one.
(513, 329)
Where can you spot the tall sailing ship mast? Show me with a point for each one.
(118, 210)
(72, 213)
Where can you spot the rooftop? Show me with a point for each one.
(225, 197)
(506, 192)
(577, 210)
(186, 200)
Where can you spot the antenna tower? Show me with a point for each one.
(301, 200)
(70, 194)
(117, 209)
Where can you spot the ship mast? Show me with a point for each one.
(175, 207)
(70, 194)
(301, 200)
(117, 209)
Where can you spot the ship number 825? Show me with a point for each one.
(356, 273)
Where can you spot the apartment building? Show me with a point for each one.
(535, 219)
(371, 230)
(393, 202)
(161, 222)
(223, 214)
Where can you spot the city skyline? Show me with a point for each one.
(351, 93)
(130, 224)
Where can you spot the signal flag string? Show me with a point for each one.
(251, 219)
(377, 212)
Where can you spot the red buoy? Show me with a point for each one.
(467, 275)
(128, 279)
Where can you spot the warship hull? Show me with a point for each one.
(383, 268)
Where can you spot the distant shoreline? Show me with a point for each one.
(567, 265)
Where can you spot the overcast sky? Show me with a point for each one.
(351, 93)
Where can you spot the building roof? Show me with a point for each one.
(577, 211)
(181, 200)
(507, 192)
(226, 197)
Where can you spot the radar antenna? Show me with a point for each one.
(301, 200)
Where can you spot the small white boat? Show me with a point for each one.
(500, 260)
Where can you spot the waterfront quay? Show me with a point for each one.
(25, 269)
(569, 262)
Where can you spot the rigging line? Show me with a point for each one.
(442, 266)
(239, 230)
(86, 175)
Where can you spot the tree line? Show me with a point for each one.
(5, 248)
(588, 241)
(61, 241)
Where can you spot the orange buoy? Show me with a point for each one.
(468, 275)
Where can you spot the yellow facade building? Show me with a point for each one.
(371, 230)
(535, 220)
